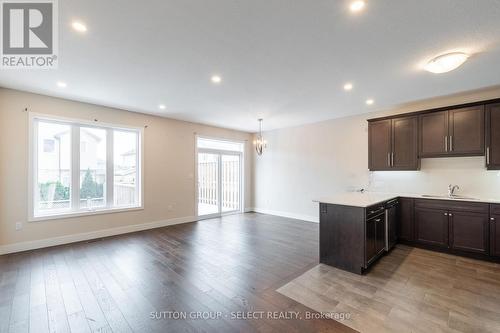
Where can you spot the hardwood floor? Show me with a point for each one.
(231, 266)
(409, 290)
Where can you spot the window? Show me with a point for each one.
(81, 168)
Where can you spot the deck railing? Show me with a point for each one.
(230, 185)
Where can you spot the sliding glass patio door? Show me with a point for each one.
(208, 184)
(219, 181)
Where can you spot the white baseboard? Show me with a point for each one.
(308, 218)
(38, 244)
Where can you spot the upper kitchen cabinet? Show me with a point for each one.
(457, 132)
(493, 136)
(405, 144)
(379, 145)
(466, 127)
(434, 134)
(393, 144)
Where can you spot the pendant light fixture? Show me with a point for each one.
(260, 143)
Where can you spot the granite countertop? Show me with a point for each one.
(366, 199)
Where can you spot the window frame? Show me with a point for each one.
(76, 124)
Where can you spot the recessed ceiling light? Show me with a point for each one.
(357, 5)
(348, 86)
(216, 79)
(370, 102)
(79, 26)
(162, 107)
(61, 84)
(446, 62)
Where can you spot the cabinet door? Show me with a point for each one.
(405, 220)
(469, 231)
(405, 144)
(431, 226)
(493, 136)
(434, 134)
(379, 145)
(495, 235)
(466, 131)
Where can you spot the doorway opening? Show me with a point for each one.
(220, 185)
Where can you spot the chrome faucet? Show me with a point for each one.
(452, 189)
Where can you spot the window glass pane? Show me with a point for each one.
(92, 167)
(219, 144)
(53, 168)
(126, 191)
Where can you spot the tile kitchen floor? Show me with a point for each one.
(408, 290)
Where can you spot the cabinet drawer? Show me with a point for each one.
(375, 210)
(495, 209)
(464, 206)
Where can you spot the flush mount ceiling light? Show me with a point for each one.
(348, 86)
(446, 62)
(216, 79)
(369, 101)
(162, 107)
(357, 5)
(259, 142)
(61, 84)
(79, 26)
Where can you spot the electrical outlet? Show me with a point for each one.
(19, 226)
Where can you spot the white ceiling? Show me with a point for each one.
(283, 60)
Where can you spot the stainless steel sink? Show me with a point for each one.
(454, 197)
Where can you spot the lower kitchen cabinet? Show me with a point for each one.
(469, 231)
(352, 238)
(431, 226)
(405, 225)
(495, 235)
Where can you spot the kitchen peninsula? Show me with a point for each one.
(358, 228)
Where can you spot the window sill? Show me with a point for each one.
(83, 213)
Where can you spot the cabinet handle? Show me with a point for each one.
(392, 159)
(389, 159)
(492, 219)
(445, 214)
(378, 220)
(450, 214)
(451, 142)
(446, 143)
(488, 156)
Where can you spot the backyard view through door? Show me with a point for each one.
(219, 177)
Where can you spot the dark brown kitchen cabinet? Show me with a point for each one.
(405, 220)
(405, 144)
(456, 132)
(495, 235)
(393, 144)
(379, 145)
(469, 231)
(433, 134)
(431, 226)
(493, 136)
(466, 131)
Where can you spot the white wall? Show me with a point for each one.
(318, 160)
(169, 151)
